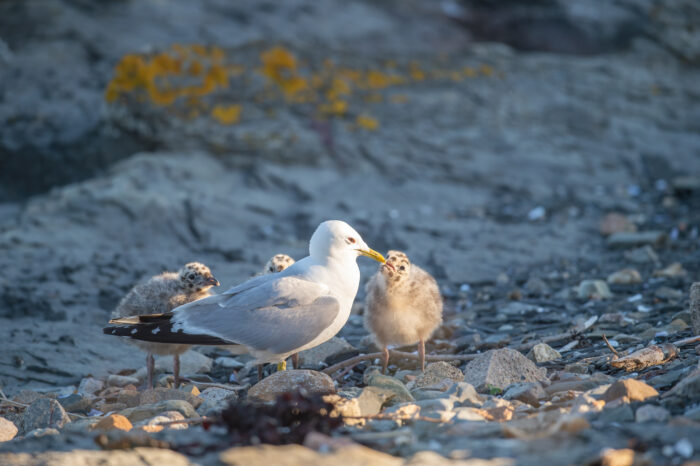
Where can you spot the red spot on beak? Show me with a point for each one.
(389, 266)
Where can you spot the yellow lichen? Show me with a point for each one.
(486, 70)
(367, 122)
(227, 115)
(280, 66)
(398, 99)
(335, 107)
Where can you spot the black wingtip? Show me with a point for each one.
(163, 333)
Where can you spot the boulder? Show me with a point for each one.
(542, 352)
(8, 430)
(114, 422)
(435, 372)
(215, 400)
(633, 389)
(594, 289)
(625, 277)
(500, 368)
(281, 382)
(44, 413)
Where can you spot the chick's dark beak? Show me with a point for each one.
(213, 281)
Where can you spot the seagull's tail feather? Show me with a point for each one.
(162, 332)
(140, 319)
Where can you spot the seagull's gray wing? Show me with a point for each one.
(278, 314)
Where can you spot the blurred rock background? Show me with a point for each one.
(484, 138)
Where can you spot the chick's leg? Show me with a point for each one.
(385, 360)
(176, 369)
(295, 360)
(421, 354)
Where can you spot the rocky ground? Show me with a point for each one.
(541, 161)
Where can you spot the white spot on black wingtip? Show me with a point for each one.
(155, 331)
(134, 331)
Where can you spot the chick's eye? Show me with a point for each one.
(401, 267)
(351, 240)
(191, 277)
(272, 268)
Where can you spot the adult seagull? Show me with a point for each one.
(270, 316)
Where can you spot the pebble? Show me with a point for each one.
(593, 289)
(143, 412)
(114, 422)
(8, 430)
(392, 385)
(43, 413)
(652, 413)
(535, 286)
(436, 372)
(693, 413)
(500, 368)
(41, 432)
(642, 255)
(640, 238)
(542, 352)
(215, 400)
(152, 425)
(684, 448)
(129, 397)
(625, 277)
(528, 392)
(89, 387)
(468, 414)
(615, 223)
(618, 412)
(281, 382)
(76, 404)
(632, 389)
(162, 394)
(674, 270)
(115, 380)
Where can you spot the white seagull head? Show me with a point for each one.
(337, 239)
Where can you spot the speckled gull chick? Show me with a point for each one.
(403, 305)
(273, 315)
(161, 294)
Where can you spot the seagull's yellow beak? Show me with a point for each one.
(372, 254)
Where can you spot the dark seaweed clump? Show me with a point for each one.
(289, 420)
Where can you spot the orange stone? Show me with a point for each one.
(112, 422)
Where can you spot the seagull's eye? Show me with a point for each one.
(351, 240)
